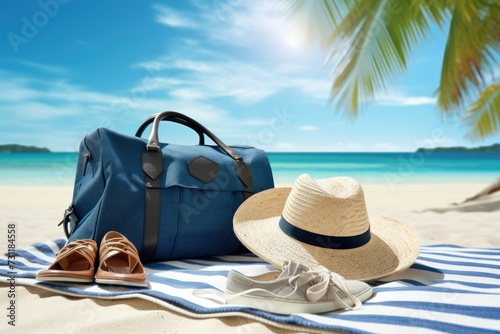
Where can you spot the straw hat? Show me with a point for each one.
(325, 222)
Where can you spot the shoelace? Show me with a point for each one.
(292, 268)
(322, 282)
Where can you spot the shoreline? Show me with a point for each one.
(391, 168)
(428, 208)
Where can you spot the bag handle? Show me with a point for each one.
(151, 119)
(154, 142)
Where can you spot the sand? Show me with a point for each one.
(36, 210)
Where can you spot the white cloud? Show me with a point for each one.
(290, 68)
(154, 65)
(62, 91)
(16, 89)
(308, 128)
(203, 112)
(31, 99)
(399, 99)
(148, 84)
(254, 19)
(240, 23)
(237, 23)
(188, 94)
(217, 119)
(170, 17)
(215, 76)
(50, 110)
(36, 111)
(203, 73)
(59, 70)
(318, 89)
(23, 89)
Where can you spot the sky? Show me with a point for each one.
(236, 66)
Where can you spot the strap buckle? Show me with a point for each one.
(69, 220)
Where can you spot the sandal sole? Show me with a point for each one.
(140, 284)
(64, 279)
(286, 307)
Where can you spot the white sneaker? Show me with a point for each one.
(297, 289)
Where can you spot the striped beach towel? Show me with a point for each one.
(448, 289)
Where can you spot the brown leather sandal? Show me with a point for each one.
(119, 262)
(74, 263)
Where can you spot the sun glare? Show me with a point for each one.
(294, 40)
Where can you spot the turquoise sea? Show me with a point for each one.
(393, 168)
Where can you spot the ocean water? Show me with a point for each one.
(393, 168)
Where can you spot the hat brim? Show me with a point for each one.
(393, 246)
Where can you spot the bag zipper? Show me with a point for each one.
(86, 157)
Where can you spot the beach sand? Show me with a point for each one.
(37, 210)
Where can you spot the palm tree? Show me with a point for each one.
(370, 41)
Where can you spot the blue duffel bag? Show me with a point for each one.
(171, 201)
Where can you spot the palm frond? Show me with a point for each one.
(372, 40)
(484, 115)
(379, 35)
(473, 41)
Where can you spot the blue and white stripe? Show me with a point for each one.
(448, 289)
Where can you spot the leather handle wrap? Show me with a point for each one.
(151, 119)
(154, 142)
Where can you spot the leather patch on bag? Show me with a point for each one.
(203, 169)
